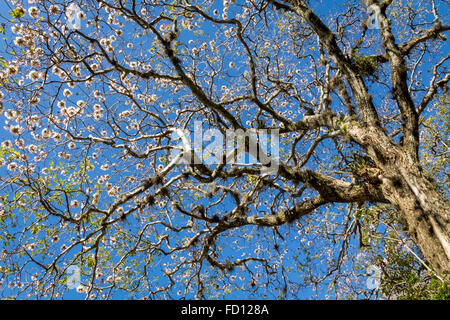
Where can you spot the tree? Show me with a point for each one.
(97, 94)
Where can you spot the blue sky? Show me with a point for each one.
(297, 256)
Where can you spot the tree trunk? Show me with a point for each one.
(424, 211)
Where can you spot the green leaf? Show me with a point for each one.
(17, 13)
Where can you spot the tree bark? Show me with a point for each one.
(424, 212)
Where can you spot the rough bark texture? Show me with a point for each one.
(424, 211)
